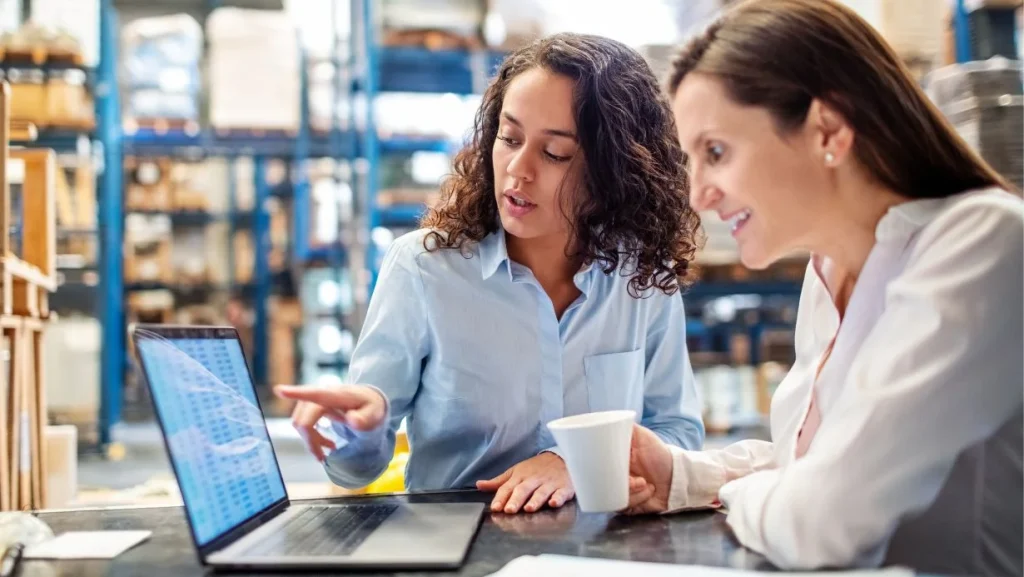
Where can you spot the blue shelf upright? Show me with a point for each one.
(111, 227)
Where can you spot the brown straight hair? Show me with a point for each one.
(782, 54)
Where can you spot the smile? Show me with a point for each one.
(737, 220)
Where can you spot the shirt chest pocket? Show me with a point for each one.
(615, 381)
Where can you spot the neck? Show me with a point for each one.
(848, 229)
(545, 257)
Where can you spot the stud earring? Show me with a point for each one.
(829, 158)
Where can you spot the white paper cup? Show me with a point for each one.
(595, 447)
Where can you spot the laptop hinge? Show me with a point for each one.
(244, 529)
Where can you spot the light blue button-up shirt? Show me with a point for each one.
(467, 345)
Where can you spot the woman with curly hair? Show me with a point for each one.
(544, 284)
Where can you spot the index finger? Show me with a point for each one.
(329, 397)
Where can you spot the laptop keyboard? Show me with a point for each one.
(320, 531)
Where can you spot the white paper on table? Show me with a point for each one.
(564, 566)
(86, 545)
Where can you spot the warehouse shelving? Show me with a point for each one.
(382, 69)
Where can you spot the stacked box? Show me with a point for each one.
(254, 70)
(985, 102)
(160, 74)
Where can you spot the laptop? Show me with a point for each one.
(235, 501)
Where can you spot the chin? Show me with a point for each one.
(756, 260)
(516, 227)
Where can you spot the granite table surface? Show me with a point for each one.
(699, 538)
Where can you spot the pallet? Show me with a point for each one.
(162, 126)
(40, 56)
(431, 39)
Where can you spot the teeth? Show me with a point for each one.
(738, 219)
(518, 201)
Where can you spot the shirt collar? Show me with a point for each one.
(493, 253)
(902, 221)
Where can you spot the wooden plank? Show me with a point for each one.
(65, 204)
(85, 192)
(7, 286)
(14, 419)
(23, 270)
(39, 234)
(5, 186)
(40, 417)
(26, 301)
(24, 425)
(5, 418)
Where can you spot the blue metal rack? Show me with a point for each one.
(416, 70)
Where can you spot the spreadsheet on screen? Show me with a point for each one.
(215, 431)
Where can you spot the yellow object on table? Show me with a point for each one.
(393, 478)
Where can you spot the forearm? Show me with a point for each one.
(697, 476)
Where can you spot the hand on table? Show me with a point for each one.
(360, 407)
(650, 473)
(530, 485)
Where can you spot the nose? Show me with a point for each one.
(520, 167)
(703, 195)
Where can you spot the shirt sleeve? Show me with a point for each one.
(672, 409)
(939, 373)
(390, 353)
(697, 476)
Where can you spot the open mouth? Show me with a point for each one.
(519, 202)
(737, 220)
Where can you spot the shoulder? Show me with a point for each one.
(988, 221)
(419, 248)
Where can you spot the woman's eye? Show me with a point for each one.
(714, 153)
(556, 158)
(508, 140)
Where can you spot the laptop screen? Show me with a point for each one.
(216, 436)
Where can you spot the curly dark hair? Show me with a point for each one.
(636, 211)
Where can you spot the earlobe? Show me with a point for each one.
(835, 133)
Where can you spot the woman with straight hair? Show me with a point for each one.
(897, 433)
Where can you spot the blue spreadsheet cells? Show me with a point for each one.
(215, 430)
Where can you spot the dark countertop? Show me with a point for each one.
(691, 538)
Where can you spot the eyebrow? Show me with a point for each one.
(551, 131)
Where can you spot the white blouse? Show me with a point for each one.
(918, 457)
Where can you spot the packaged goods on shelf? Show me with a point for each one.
(994, 28)
(509, 24)
(730, 396)
(327, 291)
(148, 184)
(254, 70)
(151, 306)
(457, 17)
(985, 102)
(56, 99)
(330, 95)
(71, 347)
(245, 256)
(148, 249)
(323, 26)
(445, 116)
(77, 23)
(914, 28)
(161, 68)
(216, 255)
(189, 257)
